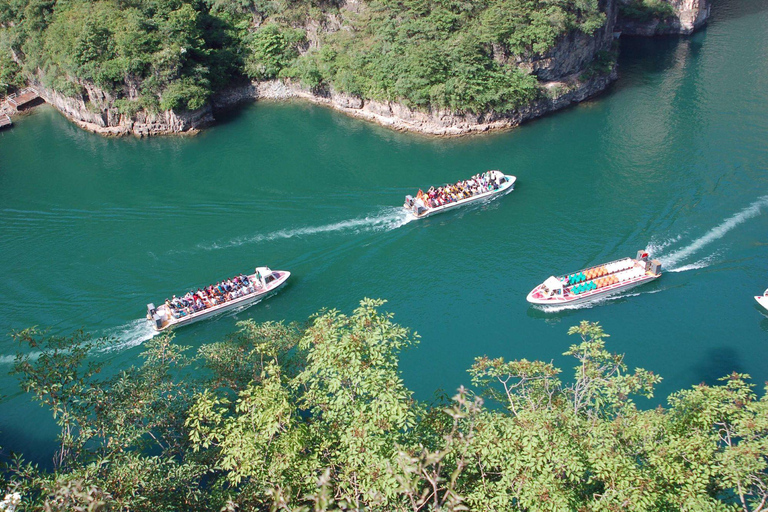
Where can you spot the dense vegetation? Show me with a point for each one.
(173, 54)
(646, 10)
(316, 417)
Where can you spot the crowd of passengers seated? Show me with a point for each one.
(211, 295)
(477, 184)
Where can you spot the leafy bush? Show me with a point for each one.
(10, 76)
(646, 10)
(271, 49)
(184, 94)
(319, 418)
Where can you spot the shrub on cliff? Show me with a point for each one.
(646, 10)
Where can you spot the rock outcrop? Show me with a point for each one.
(95, 111)
(574, 52)
(689, 15)
(558, 95)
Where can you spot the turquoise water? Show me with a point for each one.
(673, 158)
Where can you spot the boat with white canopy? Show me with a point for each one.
(596, 282)
(239, 292)
(441, 199)
(763, 299)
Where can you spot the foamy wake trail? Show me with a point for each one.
(388, 219)
(130, 335)
(9, 359)
(702, 263)
(670, 261)
(655, 248)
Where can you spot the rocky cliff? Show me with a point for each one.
(684, 18)
(94, 111)
(556, 95)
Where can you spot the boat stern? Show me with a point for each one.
(157, 317)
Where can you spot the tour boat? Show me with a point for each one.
(504, 184)
(263, 282)
(596, 282)
(763, 299)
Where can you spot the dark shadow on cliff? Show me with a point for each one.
(231, 113)
(716, 363)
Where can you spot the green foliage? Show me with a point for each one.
(169, 53)
(10, 77)
(271, 49)
(646, 10)
(318, 418)
(174, 54)
(443, 53)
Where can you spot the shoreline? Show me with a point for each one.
(395, 116)
(437, 123)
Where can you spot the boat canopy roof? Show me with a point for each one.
(264, 271)
(553, 283)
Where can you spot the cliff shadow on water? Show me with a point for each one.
(641, 58)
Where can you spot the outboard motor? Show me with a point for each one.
(151, 310)
(409, 202)
(656, 267)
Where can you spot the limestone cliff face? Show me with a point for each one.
(557, 95)
(95, 111)
(689, 16)
(574, 52)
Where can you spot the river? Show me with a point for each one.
(673, 158)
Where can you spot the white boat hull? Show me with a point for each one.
(504, 188)
(762, 300)
(592, 283)
(238, 303)
(590, 296)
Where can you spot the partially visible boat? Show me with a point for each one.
(596, 282)
(763, 299)
(496, 184)
(263, 282)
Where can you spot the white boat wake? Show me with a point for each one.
(130, 335)
(702, 263)
(671, 260)
(390, 218)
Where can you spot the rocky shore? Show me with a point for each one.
(576, 68)
(559, 95)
